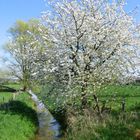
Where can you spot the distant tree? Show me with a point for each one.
(94, 42)
(27, 52)
(5, 76)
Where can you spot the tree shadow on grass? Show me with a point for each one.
(20, 108)
(6, 89)
(135, 107)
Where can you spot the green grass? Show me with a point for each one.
(120, 90)
(5, 97)
(18, 119)
(109, 128)
(115, 125)
(16, 86)
(114, 95)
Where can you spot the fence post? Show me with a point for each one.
(3, 99)
(123, 104)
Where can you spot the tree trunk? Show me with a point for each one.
(24, 88)
(83, 95)
(97, 104)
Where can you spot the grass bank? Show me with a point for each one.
(18, 119)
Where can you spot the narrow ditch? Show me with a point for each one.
(49, 128)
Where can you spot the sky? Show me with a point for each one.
(13, 10)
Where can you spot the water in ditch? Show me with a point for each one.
(49, 128)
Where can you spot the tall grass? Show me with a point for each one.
(124, 126)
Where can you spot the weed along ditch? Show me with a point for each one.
(49, 128)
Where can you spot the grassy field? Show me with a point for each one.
(16, 86)
(115, 123)
(120, 90)
(18, 119)
(116, 94)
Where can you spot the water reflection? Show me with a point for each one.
(49, 128)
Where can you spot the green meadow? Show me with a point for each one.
(120, 119)
(18, 119)
(115, 124)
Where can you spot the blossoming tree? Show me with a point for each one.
(27, 51)
(94, 42)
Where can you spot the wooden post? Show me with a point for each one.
(3, 99)
(123, 104)
(14, 96)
